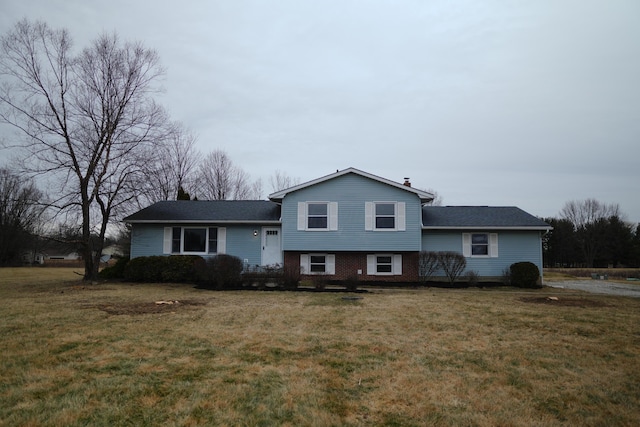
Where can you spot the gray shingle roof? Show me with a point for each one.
(442, 217)
(200, 211)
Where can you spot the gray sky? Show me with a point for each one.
(525, 103)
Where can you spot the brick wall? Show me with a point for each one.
(348, 264)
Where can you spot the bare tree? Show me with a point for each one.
(89, 120)
(589, 218)
(280, 180)
(220, 179)
(21, 210)
(588, 211)
(171, 166)
(437, 198)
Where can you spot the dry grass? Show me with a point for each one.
(585, 273)
(75, 354)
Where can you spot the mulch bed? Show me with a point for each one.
(154, 307)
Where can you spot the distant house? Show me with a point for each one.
(349, 224)
(31, 257)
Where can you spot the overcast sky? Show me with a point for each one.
(525, 103)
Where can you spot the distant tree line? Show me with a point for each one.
(589, 233)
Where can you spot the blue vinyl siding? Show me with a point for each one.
(513, 246)
(351, 192)
(242, 243)
(147, 240)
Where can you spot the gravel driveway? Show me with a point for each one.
(631, 289)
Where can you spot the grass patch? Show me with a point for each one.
(585, 273)
(75, 354)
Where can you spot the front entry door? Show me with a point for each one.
(271, 246)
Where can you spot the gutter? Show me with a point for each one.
(486, 227)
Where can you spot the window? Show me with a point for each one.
(317, 216)
(384, 216)
(318, 263)
(213, 240)
(194, 240)
(175, 240)
(480, 245)
(384, 264)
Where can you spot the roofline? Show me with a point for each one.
(203, 221)
(487, 227)
(279, 195)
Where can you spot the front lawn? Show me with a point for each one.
(159, 354)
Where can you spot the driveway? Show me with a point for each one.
(631, 289)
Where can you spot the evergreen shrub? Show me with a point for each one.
(115, 271)
(221, 272)
(175, 268)
(525, 275)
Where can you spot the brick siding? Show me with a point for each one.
(349, 263)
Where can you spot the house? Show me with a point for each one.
(349, 224)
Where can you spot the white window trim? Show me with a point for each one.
(492, 245)
(168, 237)
(396, 264)
(399, 216)
(303, 216)
(329, 264)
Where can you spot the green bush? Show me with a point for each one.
(181, 268)
(525, 275)
(115, 271)
(175, 268)
(221, 272)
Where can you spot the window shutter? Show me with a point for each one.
(222, 240)
(493, 245)
(371, 264)
(302, 216)
(466, 244)
(304, 263)
(333, 216)
(397, 264)
(401, 217)
(368, 216)
(166, 244)
(330, 264)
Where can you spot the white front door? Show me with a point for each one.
(271, 246)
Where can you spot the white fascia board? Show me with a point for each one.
(279, 195)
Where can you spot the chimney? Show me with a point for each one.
(407, 182)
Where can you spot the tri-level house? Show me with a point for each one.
(349, 224)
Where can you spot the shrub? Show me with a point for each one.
(428, 264)
(181, 268)
(452, 263)
(115, 271)
(472, 277)
(351, 283)
(175, 268)
(319, 282)
(506, 276)
(145, 269)
(525, 275)
(221, 271)
(290, 277)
